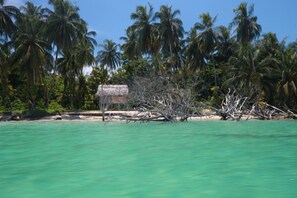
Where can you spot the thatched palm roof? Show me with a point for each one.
(112, 90)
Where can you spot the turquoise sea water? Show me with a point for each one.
(195, 159)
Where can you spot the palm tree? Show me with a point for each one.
(69, 67)
(269, 46)
(207, 33)
(64, 25)
(293, 46)
(225, 45)
(73, 60)
(85, 49)
(207, 38)
(33, 14)
(287, 86)
(271, 52)
(7, 14)
(32, 11)
(109, 56)
(88, 38)
(32, 52)
(63, 28)
(202, 43)
(5, 59)
(145, 29)
(194, 57)
(131, 46)
(248, 74)
(247, 28)
(71, 63)
(171, 31)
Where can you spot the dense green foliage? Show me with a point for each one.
(43, 53)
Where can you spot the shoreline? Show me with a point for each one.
(114, 116)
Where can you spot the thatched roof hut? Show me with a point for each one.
(112, 94)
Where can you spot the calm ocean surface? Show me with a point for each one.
(194, 159)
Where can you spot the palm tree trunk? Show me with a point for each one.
(65, 96)
(214, 69)
(72, 90)
(34, 78)
(53, 78)
(171, 55)
(5, 90)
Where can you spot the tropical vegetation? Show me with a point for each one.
(44, 51)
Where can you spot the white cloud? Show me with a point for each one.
(16, 3)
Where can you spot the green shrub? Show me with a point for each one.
(2, 109)
(18, 106)
(40, 104)
(54, 107)
(1, 106)
(89, 105)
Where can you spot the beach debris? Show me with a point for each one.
(57, 117)
(15, 117)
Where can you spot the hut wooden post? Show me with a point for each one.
(103, 111)
(103, 114)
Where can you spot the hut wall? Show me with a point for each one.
(113, 99)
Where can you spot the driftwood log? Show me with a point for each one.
(232, 107)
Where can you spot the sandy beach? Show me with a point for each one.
(110, 116)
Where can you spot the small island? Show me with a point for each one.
(172, 73)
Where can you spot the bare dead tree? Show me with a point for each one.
(158, 99)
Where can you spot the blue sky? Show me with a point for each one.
(110, 18)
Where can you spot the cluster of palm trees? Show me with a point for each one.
(43, 53)
(40, 46)
(212, 59)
